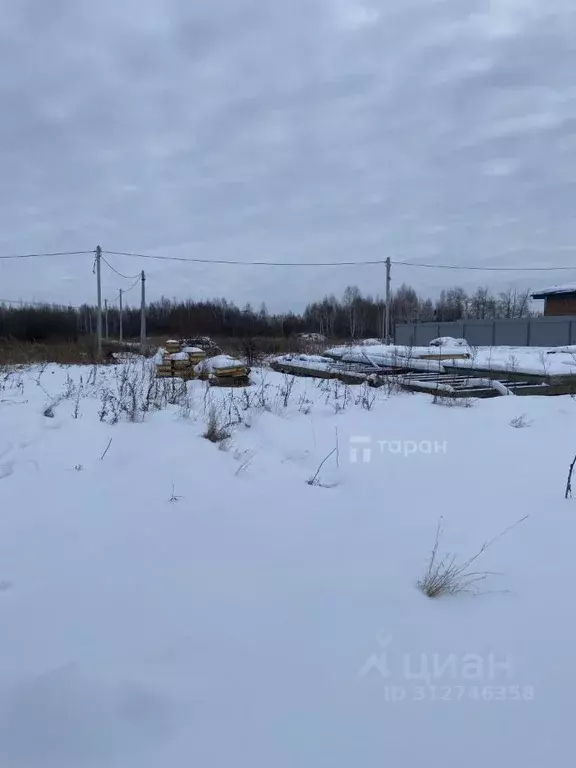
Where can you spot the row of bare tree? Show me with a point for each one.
(354, 315)
(358, 316)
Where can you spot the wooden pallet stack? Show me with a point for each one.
(172, 346)
(178, 361)
(234, 377)
(175, 364)
(225, 371)
(195, 354)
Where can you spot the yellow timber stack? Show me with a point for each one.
(178, 363)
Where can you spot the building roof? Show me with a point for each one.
(555, 291)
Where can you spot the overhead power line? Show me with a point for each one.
(115, 299)
(134, 284)
(45, 255)
(247, 263)
(483, 269)
(126, 277)
(334, 263)
(237, 262)
(124, 291)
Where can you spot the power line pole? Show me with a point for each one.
(105, 318)
(99, 302)
(121, 319)
(143, 313)
(387, 310)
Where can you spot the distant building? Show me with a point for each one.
(559, 300)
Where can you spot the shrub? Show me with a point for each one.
(446, 576)
(215, 430)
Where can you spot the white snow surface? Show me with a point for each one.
(448, 341)
(538, 360)
(394, 360)
(218, 363)
(159, 356)
(569, 348)
(193, 351)
(382, 355)
(256, 620)
(317, 362)
(390, 352)
(328, 364)
(564, 288)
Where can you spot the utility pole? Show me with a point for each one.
(105, 318)
(99, 302)
(143, 314)
(121, 319)
(387, 310)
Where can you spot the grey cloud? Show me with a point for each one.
(308, 130)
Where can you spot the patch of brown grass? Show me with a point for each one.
(64, 353)
(263, 346)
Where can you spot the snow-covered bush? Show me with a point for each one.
(216, 431)
(286, 389)
(448, 401)
(519, 422)
(367, 397)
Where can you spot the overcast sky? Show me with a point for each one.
(285, 130)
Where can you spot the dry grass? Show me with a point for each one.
(520, 422)
(448, 401)
(447, 576)
(26, 353)
(81, 352)
(260, 347)
(215, 431)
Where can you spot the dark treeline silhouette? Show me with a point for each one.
(353, 316)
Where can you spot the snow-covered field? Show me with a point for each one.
(166, 602)
(543, 361)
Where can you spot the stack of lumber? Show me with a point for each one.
(224, 371)
(174, 364)
(172, 346)
(205, 343)
(195, 354)
(186, 361)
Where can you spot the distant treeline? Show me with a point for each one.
(354, 315)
